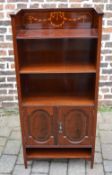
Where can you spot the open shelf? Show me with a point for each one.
(34, 100)
(71, 89)
(34, 153)
(56, 33)
(58, 68)
(57, 56)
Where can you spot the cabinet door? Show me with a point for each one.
(38, 125)
(75, 125)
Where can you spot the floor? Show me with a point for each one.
(11, 160)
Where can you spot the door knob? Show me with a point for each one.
(60, 127)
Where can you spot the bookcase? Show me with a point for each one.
(57, 60)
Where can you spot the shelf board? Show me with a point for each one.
(57, 33)
(35, 100)
(58, 153)
(58, 68)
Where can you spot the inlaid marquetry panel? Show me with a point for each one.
(57, 19)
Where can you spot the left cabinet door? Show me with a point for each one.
(38, 125)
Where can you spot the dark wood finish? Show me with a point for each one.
(38, 124)
(97, 84)
(60, 58)
(59, 33)
(57, 100)
(57, 55)
(57, 59)
(58, 68)
(70, 89)
(33, 153)
(75, 125)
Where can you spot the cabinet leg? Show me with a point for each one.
(92, 162)
(24, 157)
(25, 163)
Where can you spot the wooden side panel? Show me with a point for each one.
(15, 21)
(38, 124)
(99, 23)
(75, 125)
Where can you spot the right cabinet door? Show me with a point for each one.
(75, 125)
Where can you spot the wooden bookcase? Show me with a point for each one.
(57, 59)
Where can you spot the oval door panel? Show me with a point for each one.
(40, 125)
(75, 125)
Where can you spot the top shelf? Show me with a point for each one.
(57, 33)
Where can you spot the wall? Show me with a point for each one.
(8, 92)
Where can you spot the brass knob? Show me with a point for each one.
(60, 127)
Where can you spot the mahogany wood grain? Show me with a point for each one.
(57, 60)
(39, 125)
(57, 33)
(66, 54)
(58, 68)
(14, 22)
(96, 11)
(58, 153)
(77, 85)
(97, 85)
(76, 123)
(57, 100)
